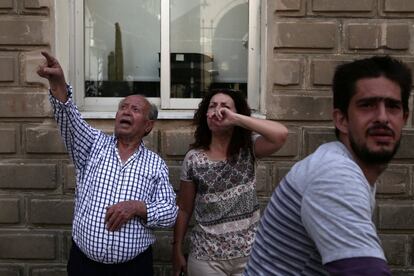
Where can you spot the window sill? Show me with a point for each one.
(162, 115)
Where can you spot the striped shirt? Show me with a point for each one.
(103, 180)
(320, 212)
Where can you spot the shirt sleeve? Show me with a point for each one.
(336, 212)
(78, 136)
(186, 167)
(361, 266)
(162, 209)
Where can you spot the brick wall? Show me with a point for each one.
(306, 40)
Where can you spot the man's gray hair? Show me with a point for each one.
(152, 108)
(152, 112)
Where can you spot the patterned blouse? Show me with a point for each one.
(226, 206)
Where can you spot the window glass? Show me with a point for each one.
(171, 51)
(209, 46)
(122, 45)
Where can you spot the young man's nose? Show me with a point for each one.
(382, 113)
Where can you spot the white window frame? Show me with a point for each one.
(70, 38)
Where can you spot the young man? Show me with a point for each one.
(122, 190)
(318, 220)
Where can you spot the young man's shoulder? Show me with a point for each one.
(331, 155)
(328, 159)
(332, 150)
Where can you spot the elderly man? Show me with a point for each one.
(122, 190)
(318, 220)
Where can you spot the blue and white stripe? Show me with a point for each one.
(282, 246)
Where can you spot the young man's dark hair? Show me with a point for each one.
(347, 75)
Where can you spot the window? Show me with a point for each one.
(172, 51)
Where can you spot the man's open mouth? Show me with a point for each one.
(125, 122)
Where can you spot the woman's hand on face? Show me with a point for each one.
(223, 115)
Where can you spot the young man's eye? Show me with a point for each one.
(368, 104)
(394, 106)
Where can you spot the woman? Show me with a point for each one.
(218, 182)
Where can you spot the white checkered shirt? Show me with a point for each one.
(102, 180)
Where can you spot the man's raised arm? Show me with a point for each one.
(52, 71)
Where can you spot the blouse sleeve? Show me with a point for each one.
(187, 166)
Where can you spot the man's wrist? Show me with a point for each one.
(60, 92)
(141, 209)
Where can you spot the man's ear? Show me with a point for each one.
(340, 120)
(149, 126)
(405, 117)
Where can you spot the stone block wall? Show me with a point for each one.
(305, 41)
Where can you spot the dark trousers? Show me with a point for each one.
(80, 265)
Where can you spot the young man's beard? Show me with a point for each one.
(370, 157)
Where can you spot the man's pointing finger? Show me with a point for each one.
(50, 60)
